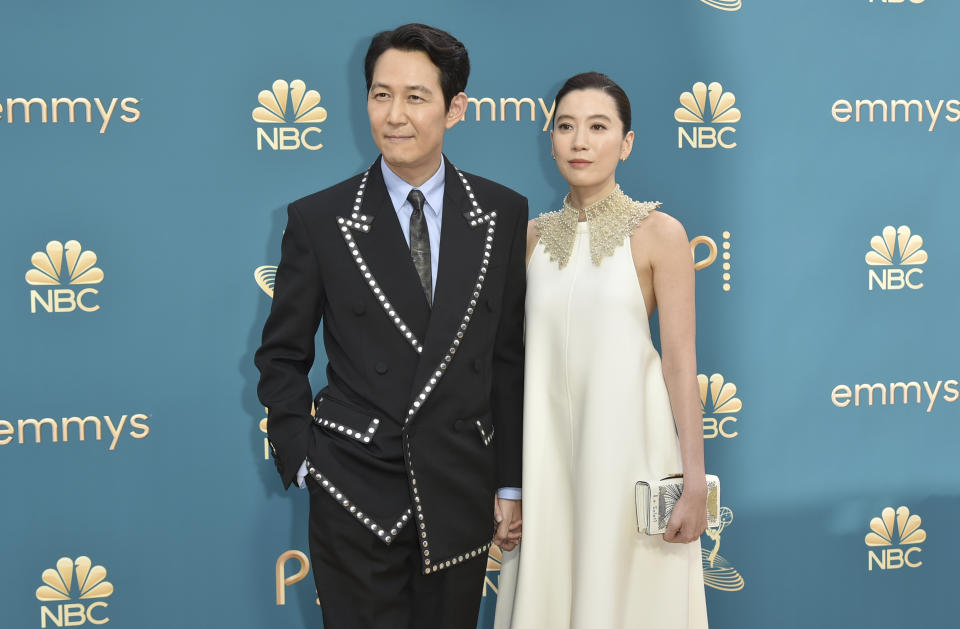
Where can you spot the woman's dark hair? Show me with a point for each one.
(602, 82)
(445, 51)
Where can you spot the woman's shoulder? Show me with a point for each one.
(660, 226)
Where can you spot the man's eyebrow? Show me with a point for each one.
(409, 88)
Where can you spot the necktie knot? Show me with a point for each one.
(416, 199)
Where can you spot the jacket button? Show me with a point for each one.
(359, 308)
(381, 367)
(477, 365)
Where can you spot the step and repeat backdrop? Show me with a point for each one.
(149, 152)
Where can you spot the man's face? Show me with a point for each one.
(407, 113)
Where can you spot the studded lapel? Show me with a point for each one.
(466, 241)
(372, 232)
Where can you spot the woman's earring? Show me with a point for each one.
(554, 157)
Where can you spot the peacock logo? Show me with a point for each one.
(79, 579)
(719, 573)
(711, 111)
(265, 277)
(63, 264)
(897, 534)
(730, 5)
(284, 104)
(892, 249)
(720, 405)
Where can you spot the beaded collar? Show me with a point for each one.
(611, 220)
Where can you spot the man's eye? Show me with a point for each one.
(565, 126)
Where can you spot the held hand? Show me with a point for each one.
(509, 517)
(689, 518)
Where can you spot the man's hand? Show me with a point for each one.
(508, 515)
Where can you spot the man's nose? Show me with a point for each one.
(397, 114)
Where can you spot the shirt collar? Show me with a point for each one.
(432, 188)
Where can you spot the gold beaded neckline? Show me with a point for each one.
(610, 221)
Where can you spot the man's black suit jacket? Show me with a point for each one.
(421, 419)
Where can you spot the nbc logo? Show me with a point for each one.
(718, 398)
(719, 573)
(289, 103)
(893, 249)
(266, 276)
(90, 584)
(734, 5)
(897, 528)
(712, 252)
(707, 108)
(63, 264)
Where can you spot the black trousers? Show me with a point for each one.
(364, 584)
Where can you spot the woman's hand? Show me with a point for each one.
(689, 518)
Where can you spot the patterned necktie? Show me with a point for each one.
(420, 243)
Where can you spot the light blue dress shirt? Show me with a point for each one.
(432, 190)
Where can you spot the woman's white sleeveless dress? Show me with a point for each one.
(597, 418)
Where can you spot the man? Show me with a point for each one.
(416, 271)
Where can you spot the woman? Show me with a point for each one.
(600, 412)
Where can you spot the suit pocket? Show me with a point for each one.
(481, 426)
(339, 418)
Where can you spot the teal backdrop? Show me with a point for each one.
(136, 492)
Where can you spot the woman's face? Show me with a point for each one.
(588, 139)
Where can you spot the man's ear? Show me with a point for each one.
(458, 107)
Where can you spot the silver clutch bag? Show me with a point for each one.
(656, 498)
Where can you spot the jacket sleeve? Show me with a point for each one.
(287, 350)
(507, 368)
